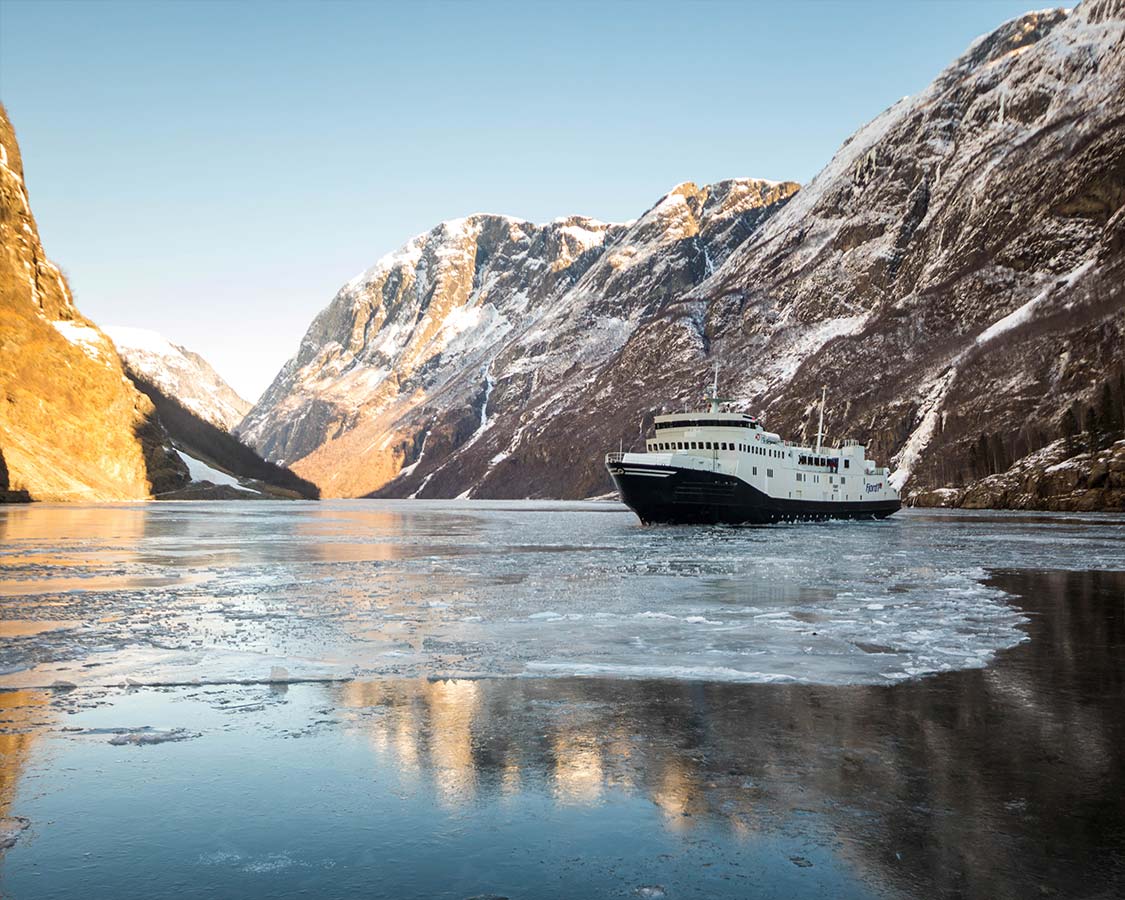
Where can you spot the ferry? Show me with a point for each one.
(724, 467)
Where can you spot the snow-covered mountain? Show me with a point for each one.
(428, 371)
(966, 249)
(179, 373)
(954, 275)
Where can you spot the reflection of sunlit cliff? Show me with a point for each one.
(425, 725)
(578, 767)
(24, 715)
(962, 781)
(67, 531)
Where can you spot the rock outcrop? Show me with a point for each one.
(956, 270)
(1053, 478)
(72, 427)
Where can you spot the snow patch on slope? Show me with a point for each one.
(89, 340)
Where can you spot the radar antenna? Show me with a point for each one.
(820, 425)
(714, 399)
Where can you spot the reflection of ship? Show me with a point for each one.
(839, 768)
(718, 466)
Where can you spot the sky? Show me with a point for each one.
(215, 171)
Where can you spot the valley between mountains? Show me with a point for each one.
(955, 276)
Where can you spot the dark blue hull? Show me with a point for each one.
(667, 495)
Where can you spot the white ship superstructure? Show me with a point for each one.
(725, 467)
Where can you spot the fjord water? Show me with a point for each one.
(547, 700)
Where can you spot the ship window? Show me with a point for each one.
(754, 470)
(843, 480)
(769, 473)
(693, 447)
(846, 461)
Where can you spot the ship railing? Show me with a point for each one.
(614, 457)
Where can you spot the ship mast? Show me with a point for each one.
(820, 425)
(714, 398)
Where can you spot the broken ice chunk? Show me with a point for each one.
(11, 828)
(145, 736)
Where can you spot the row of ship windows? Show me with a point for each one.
(804, 476)
(655, 446)
(831, 462)
(706, 423)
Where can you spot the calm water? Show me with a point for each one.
(546, 700)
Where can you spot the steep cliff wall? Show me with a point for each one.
(72, 427)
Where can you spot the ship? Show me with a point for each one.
(718, 467)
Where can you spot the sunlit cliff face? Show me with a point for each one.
(24, 715)
(72, 427)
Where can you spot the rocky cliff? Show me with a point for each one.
(954, 275)
(72, 427)
(437, 371)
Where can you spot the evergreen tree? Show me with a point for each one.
(1093, 429)
(1109, 414)
(1070, 431)
(980, 465)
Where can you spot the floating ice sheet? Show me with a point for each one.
(235, 592)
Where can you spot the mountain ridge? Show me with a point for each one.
(535, 301)
(954, 273)
(180, 373)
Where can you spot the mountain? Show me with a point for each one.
(434, 372)
(968, 245)
(221, 466)
(199, 410)
(954, 275)
(72, 427)
(180, 373)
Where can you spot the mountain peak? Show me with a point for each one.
(179, 373)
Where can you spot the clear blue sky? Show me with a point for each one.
(215, 171)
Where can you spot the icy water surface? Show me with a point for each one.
(172, 593)
(546, 700)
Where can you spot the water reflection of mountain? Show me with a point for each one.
(985, 783)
